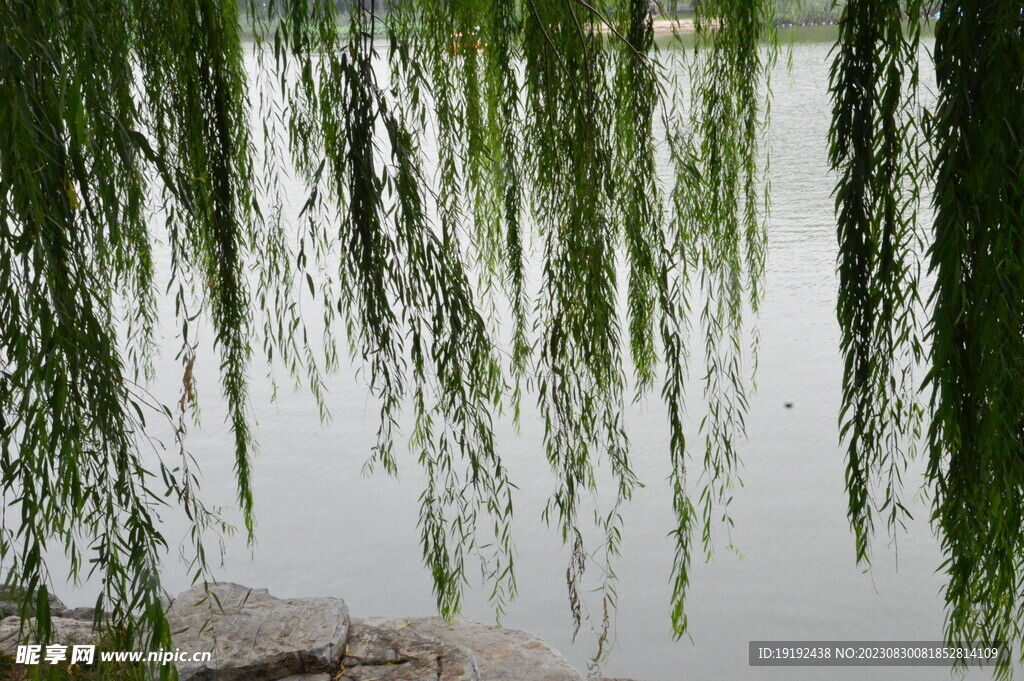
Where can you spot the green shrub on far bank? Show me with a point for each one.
(786, 11)
(807, 11)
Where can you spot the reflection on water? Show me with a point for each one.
(326, 529)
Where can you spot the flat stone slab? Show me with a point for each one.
(499, 654)
(66, 632)
(397, 653)
(255, 637)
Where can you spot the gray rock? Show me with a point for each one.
(500, 655)
(66, 632)
(397, 653)
(10, 597)
(84, 614)
(254, 636)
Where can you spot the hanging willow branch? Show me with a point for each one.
(876, 149)
(975, 349)
(439, 142)
(976, 377)
(720, 237)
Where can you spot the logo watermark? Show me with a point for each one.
(875, 654)
(86, 654)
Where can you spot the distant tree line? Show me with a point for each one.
(808, 11)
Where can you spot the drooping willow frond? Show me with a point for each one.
(975, 349)
(570, 121)
(875, 146)
(74, 241)
(439, 142)
(721, 240)
(976, 376)
(197, 112)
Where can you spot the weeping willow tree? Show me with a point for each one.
(446, 147)
(449, 150)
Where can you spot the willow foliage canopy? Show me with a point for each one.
(449, 148)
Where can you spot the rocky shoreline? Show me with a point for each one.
(253, 636)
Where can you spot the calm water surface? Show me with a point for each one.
(326, 529)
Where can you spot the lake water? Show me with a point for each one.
(326, 529)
